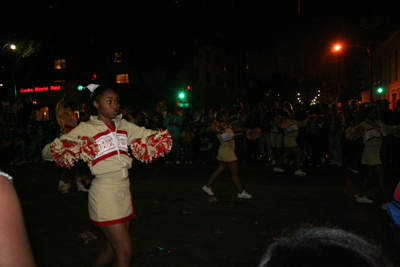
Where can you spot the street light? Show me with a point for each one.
(338, 47)
(12, 47)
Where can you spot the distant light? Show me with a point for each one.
(337, 47)
(1, 84)
(278, 94)
(181, 95)
(319, 95)
(13, 47)
(319, 91)
(298, 93)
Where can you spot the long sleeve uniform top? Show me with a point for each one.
(113, 153)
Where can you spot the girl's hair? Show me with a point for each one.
(366, 108)
(220, 114)
(323, 247)
(89, 97)
(288, 105)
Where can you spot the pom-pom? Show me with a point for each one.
(155, 146)
(88, 148)
(63, 153)
(219, 128)
(253, 134)
(280, 120)
(354, 133)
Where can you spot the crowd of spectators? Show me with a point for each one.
(27, 127)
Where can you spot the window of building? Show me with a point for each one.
(59, 64)
(390, 69)
(395, 65)
(217, 80)
(117, 57)
(226, 83)
(385, 71)
(122, 78)
(394, 100)
(208, 77)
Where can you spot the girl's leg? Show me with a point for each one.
(285, 154)
(367, 181)
(216, 173)
(119, 248)
(233, 168)
(298, 155)
(381, 179)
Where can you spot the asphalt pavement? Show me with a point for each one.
(177, 224)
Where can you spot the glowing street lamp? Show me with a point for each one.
(13, 47)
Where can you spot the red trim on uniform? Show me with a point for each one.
(107, 223)
(227, 162)
(97, 136)
(106, 156)
(380, 164)
(291, 146)
(367, 140)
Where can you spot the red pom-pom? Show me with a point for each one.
(64, 154)
(354, 133)
(254, 133)
(155, 146)
(88, 148)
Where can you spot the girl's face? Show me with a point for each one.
(108, 106)
(225, 118)
(373, 114)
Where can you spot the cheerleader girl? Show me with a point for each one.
(226, 152)
(110, 201)
(374, 130)
(290, 127)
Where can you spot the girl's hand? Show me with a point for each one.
(69, 142)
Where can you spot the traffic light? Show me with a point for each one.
(80, 87)
(188, 88)
(379, 87)
(181, 95)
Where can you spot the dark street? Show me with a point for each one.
(177, 224)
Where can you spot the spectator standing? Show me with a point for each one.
(173, 123)
(188, 136)
(336, 123)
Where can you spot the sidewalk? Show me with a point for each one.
(177, 224)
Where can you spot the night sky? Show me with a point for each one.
(277, 36)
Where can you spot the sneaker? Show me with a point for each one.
(208, 190)
(81, 187)
(364, 200)
(244, 195)
(333, 163)
(178, 162)
(384, 206)
(352, 170)
(299, 173)
(64, 187)
(277, 169)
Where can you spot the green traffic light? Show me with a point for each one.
(80, 87)
(181, 95)
(380, 90)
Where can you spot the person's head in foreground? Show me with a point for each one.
(324, 247)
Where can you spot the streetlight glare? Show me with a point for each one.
(13, 47)
(337, 47)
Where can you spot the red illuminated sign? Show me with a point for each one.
(41, 89)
